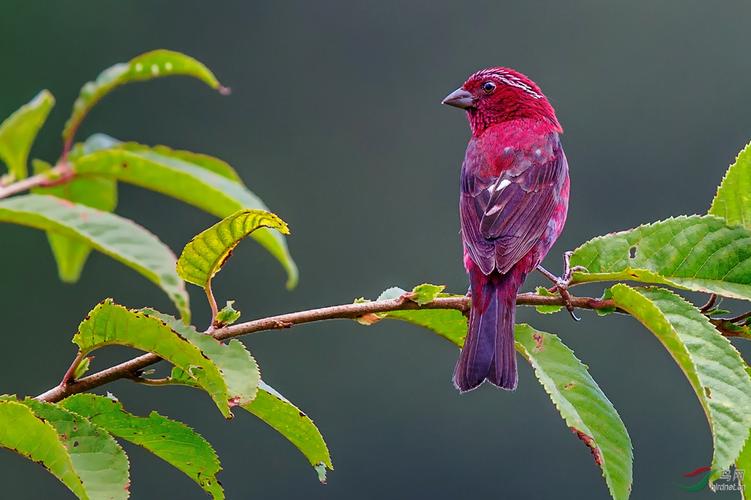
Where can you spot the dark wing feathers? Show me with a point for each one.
(503, 217)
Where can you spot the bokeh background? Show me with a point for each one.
(335, 120)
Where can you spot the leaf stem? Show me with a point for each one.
(59, 174)
(70, 373)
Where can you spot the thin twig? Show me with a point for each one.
(42, 179)
(740, 318)
(710, 303)
(71, 371)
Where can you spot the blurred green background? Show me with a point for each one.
(335, 120)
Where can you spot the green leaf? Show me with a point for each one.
(36, 439)
(711, 364)
(699, 253)
(237, 367)
(228, 315)
(120, 238)
(207, 252)
(82, 368)
(112, 324)
(155, 64)
(581, 403)
(743, 463)
(172, 441)
(576, 395)
(18, 131)
(192, 183)
(96, 192)
(426, 293)
(541, 290)
(448, 323)
(293, 424)
(733, 199)
(97, 458)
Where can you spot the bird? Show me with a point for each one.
(513, 205)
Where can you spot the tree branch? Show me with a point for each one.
(131, 369)
(56, 175)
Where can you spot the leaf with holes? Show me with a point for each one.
(699, 253)
(293, 424)
(18, 131)
(207, 252)
(120, 238)
(582, 404)
(96, 192)
(711, 364)
(238, 368)
(733, 199)
(99, 462)
(172, 441)
(154, 64)
(210, 188)
(112, 324)
(35, 438)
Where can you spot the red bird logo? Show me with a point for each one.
(513, 205)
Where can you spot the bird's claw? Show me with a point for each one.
(561, 284)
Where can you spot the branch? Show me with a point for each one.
(57, 175)
(132, 369)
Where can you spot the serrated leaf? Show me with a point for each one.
(227, 315)
(36, 439)
(743, 463)
(154, 64)
(172, 441)
(576, 395)
(541, 290)
(112, 324)
(192, 183)
(97, 459)
(426, 293)
(120, 238)
(207, 252)
(582, 404)
(711, 364)
(733, 199)
(18, 131)
(96, 192)
(236, 365)
(699, 253)
(293, 424)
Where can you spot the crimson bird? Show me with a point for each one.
(513, 205)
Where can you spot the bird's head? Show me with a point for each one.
(495, 95)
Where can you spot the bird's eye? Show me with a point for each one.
(488, 87)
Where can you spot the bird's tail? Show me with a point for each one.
(488, 352)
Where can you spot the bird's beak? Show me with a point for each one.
(459, 98)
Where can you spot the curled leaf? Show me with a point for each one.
(18, 131)
(207, 252)
(154, 64)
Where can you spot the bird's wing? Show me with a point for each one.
(504, 216)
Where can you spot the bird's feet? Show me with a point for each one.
(561, 283)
